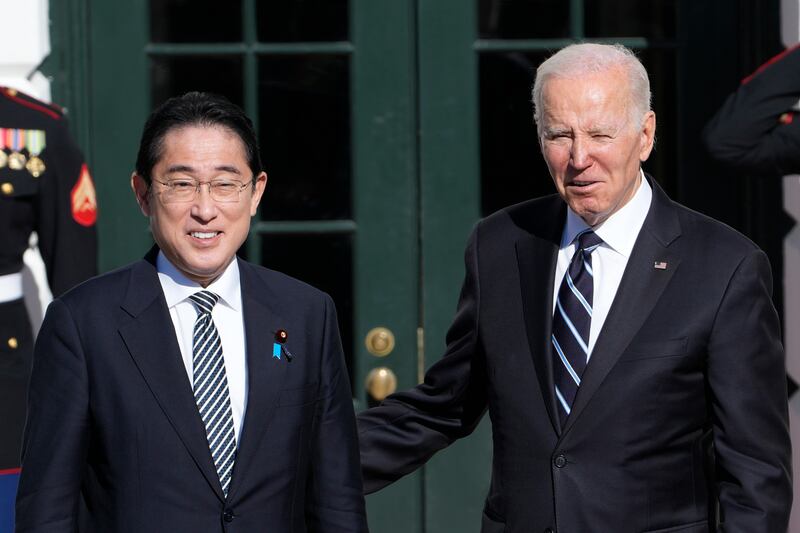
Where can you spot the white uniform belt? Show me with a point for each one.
(11, 287)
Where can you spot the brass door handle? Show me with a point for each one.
(379, 341)
(380, 383)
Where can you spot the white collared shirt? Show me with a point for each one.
(619, 233)
(228, 317)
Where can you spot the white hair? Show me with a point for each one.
(578, 60)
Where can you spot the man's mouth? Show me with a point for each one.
(204, 234)
(581, 183)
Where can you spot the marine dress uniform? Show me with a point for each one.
(45, 187)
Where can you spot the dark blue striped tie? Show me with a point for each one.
(571, 323)
(211, 388)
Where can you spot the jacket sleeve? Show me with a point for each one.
(56, 434)
(335, 500)
(66, 214)
(747, 383)
(756, 129)
(402, 433)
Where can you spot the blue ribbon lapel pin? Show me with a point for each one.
(279, 346)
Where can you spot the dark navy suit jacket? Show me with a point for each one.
(114, 441)
(682, 408)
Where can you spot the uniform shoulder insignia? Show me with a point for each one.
(84, 199)
(51, 110)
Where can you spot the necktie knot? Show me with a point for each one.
(204, 301)
(588, 241)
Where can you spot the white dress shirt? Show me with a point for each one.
(619, 232)
(228, 318)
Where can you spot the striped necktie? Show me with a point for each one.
(571, 323)
(211, 388)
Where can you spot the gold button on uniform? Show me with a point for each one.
(13, 343)
(7, 188)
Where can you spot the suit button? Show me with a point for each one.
(549, 530)
(560, 461)
(227, 515)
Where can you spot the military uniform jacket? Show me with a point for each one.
(44, 187)
(757, 128)
(59, 204)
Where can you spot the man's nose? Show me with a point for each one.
(204, 207)
(579, 153)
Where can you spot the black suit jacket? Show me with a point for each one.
(114, 441)
(689, 356)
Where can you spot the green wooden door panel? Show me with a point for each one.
(120, 101)
(385, 207)
(456, 479)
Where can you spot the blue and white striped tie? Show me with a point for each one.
(211, 388)
(571, 323)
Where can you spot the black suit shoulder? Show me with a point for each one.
(106, 288)
(287, 286)
(712, 235)
(539, 217)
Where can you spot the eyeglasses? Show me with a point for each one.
(186, 190)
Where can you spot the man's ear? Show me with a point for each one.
(142, 191)
(648, 136)
(258, 191)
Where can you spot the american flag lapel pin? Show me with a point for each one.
(660, 265)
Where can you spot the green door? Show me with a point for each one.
(388, 127)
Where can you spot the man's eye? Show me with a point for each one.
(226, 186)
(182, 185)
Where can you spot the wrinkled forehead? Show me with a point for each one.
(602, 100)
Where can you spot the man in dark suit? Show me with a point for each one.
(192, 391)
(626, 347)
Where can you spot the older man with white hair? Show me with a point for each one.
(625, 346)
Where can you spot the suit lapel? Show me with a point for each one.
(537, 254)
(265, 374)
(150, 339)
(639, 290)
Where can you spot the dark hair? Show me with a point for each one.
(194, 109)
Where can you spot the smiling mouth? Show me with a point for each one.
(204, 234)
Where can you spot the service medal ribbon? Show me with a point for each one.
(34, 141)
(17, 139)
